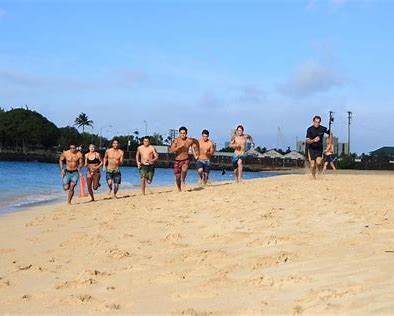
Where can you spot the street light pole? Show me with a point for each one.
(146, 128)
(101, 134)
(349, 117)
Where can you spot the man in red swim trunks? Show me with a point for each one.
(181, 147)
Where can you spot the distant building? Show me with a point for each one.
(272, 154)
(343, 149)
(161, 149)
(383, 151)
(254, 153)
(294, 155)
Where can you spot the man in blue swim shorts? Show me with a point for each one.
(73, 162)
(238, 143)
(207, 149)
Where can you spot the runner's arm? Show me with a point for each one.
(213, 149)
(105, 160)
(137, 157)
(196, 148)
(101, 161)
(250, 139)
(309, 140)
(174, 146)
(121, 157)
(80, 163)
(61, 158)
(155, 155)
(233, 144)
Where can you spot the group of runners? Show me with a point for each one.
(72, 160)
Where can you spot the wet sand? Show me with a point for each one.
(285, 245)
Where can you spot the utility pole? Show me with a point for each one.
(331, 120)
(146, 128)
(349, 118)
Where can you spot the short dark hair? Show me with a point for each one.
(146, 137)
(72, 144)
(183, 128)
(241, 127)
(205, 132)
(115, 140)
(316, 117)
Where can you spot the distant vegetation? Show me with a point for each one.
(24, 130)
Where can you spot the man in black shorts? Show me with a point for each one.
(314, 144)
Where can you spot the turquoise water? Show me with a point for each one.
(25, 184)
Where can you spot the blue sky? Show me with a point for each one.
(268, 65)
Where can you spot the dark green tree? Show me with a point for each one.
(82, 120)
(68, 135)
(27, 129)
(1, 133)
(157, 139)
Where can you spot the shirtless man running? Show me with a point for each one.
(113, 159)
(180, 147)
(72, 172)
(207, 149)
(238, 143)
(146, 157)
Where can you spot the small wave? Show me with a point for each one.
(26, 200)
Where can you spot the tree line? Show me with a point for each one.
(23, 130)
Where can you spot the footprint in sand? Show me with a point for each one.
(188, 312)
(315, 298)
(25, 267)
(96, 273)
(260, 281)
(75, 284)
(5, 284)
(173, 237)
(111, 307)
(116, 253)
(269, 261)
(74, 299)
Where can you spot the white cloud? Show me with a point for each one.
(26, 81)
(2, 13)
(310, 78)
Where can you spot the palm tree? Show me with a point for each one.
(83, 120)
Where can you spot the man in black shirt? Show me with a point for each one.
(314, 144)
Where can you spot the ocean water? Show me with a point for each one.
(27, 184)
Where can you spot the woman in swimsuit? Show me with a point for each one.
(93, 162)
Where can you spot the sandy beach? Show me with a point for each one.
(281, 245)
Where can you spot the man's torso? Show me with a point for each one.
(240, 141)
(314, 132)
(72, 160)
(183, 152)
(114, 156)
(147, 154)
(205, 150)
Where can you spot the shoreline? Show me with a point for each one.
(304, 171)
(127, 186)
